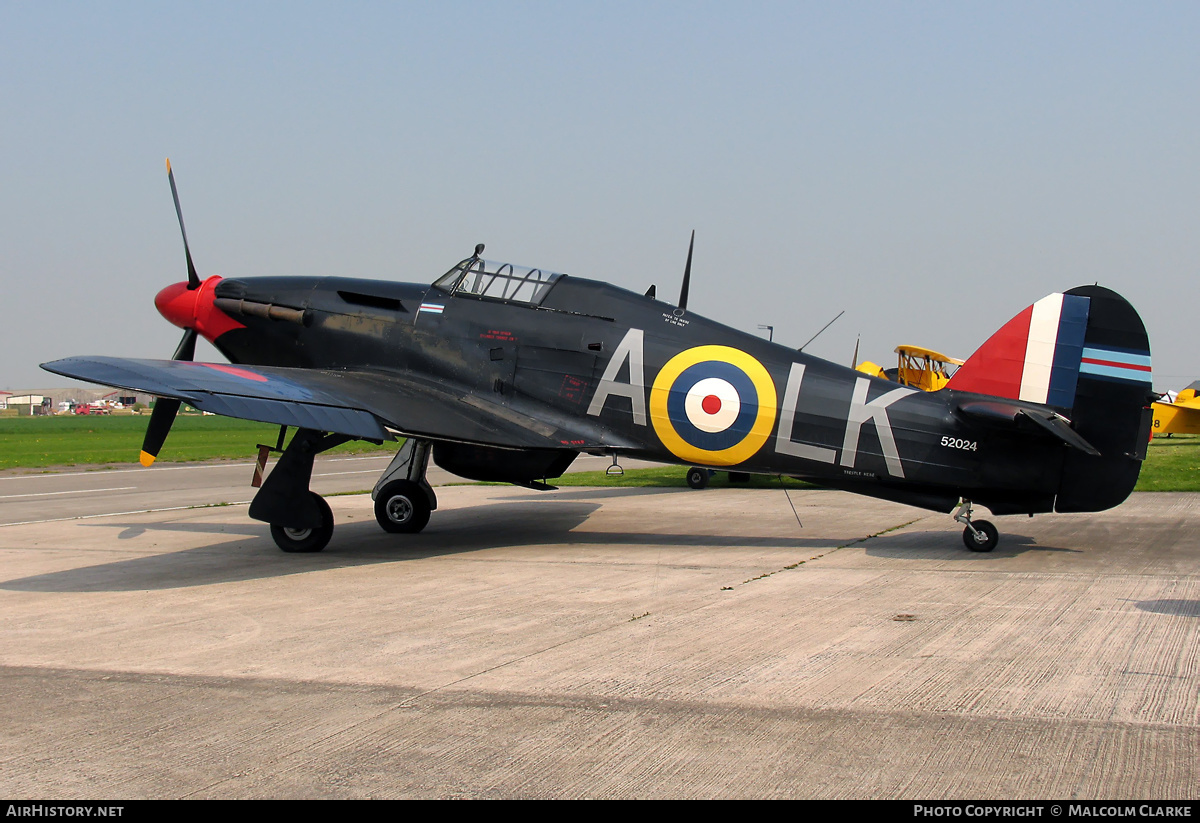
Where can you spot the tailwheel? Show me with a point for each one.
(306, 540)
(697, 477)
(402, 507)
(984, 537)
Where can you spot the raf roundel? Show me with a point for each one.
(713, 405)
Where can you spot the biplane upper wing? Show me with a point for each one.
(360, 403)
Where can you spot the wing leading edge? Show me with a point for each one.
(358, 403)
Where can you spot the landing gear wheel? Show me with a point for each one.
(306, 540)
(697, 478)
(401, 507)
(985, 541)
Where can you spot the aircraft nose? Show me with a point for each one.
(195, 309)
(177, 303)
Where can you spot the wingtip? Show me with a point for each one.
(168, 165)
(146, 458)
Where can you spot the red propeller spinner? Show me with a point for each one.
(192, 308)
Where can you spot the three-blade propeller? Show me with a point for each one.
(165, 408)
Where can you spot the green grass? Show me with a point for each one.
(1172, 465)
(38, 442)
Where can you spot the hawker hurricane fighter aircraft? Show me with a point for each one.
(506, 373)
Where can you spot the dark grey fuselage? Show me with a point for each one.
(602, 369)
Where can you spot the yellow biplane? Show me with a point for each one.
(1178, 416)
(918, 367)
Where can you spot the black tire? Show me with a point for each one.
(306, 540)
(697, 478)
(402, 507)
(985, 541)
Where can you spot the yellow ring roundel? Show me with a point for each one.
(713, 405)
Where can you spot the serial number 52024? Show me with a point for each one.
(959, 443)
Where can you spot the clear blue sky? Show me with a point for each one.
(932, 168)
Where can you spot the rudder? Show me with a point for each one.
(1112, 405)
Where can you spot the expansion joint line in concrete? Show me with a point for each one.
(799, 563)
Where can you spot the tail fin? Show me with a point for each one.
(1085, 354)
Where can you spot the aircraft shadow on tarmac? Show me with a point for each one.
(1178, 608)
(934, 544)
(251, 554)
(907, 543)
(603, 493)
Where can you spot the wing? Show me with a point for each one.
(365, 404)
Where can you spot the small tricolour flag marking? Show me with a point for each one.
(432, 308)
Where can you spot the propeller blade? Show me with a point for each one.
(193, 278)
(161, 419)
(687, 274)
(187, 346)
(165, 409)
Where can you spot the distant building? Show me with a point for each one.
(28, 404)
(58, 400)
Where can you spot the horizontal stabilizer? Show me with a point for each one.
(1060, 427)
(1057, 426)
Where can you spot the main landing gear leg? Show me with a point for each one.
(301, 520)
(979, 535)
(403, 498)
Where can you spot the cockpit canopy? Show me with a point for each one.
(476, 277)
